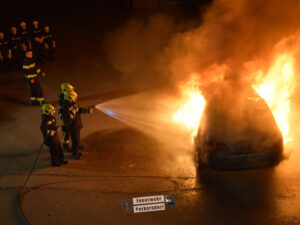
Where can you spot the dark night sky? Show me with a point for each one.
(86, 3)
(14, 11)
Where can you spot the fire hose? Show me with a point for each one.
(24, 191)
(20, 197)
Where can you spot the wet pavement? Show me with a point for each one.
(127, 169)
(120, 163)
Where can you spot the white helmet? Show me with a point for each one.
(22, 24)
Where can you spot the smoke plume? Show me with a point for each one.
(160, 50)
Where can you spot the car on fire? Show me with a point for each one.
(237, 132)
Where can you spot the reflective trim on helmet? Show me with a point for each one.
(70, 95)
(66, 87)
(32, 98)
(47, 108)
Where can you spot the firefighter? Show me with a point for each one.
(25, 38)
(37, 42)
(49, 43)
(65, 133)
(49, 130)
(71, 119)
(16, 48)
(31, 73)
(5, 53)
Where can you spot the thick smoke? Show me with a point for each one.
(136, 50)
(160, 50)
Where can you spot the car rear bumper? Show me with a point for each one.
(243, 161)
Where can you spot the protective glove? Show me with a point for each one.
(50, 132)
(91, 109)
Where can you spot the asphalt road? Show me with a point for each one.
(121, 162)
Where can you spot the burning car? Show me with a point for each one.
(237, 131)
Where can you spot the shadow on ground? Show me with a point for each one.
(126, 149)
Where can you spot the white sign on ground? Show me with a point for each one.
(149, 208)
(148, 199)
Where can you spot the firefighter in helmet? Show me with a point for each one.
(25, 37)
(31, 73)
(65, 133)
(37, 42)
(49, 130)
(49, 43)
(5, 53)
(16, 48)
(71, 119)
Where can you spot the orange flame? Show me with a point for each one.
(190, 113)
(276, 86)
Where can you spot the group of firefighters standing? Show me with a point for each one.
(14, 45)
(69, 110)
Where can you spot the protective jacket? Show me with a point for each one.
(36, 33)
(48, 39)
(4, 48)
(14, 41)
(71, 122)
(30, 70)
(49, 130)
(31, 73)
(70, 114)
(25, 39)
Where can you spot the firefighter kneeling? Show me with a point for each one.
(71, 120)
(49, 130)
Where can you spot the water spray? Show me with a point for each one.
(150, 113)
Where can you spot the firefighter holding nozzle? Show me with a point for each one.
(71, 119)
(49, 130)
